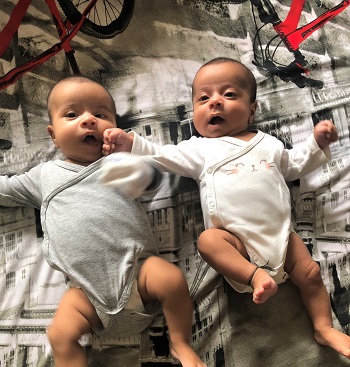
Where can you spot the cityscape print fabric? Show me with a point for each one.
(148, 69)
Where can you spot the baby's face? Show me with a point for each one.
(221, 100)
(80, 113)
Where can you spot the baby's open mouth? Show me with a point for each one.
(216, 120)
(91, 140)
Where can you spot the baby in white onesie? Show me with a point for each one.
(241, 174)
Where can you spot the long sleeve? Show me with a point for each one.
(21, 190)
(302, 160)
(184, 159)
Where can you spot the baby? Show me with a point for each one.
(100, 241)
(241, 173)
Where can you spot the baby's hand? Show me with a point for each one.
(116, 140)
(325, 133)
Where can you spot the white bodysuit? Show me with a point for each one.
(242, 188)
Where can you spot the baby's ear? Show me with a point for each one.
(51, 131)
(252, 111)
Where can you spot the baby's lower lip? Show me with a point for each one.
(213, 126)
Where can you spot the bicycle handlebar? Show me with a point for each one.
(290, 73)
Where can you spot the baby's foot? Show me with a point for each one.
(184, 353)
(335, 339)
(264, 286)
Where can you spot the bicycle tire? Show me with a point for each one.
(115, 14)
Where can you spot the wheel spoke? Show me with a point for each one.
(106, 19)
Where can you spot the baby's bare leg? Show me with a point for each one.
(163, 281)
(74, 317)
(224, 252)
(305, 273)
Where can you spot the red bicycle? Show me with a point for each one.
(292, 36)
(97, 18)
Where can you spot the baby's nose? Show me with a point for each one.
(88, 119)
(216, 100)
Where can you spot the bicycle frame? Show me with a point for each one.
(65, 30)
(292, 36)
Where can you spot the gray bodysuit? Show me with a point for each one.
(92, 234)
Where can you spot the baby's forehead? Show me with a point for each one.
(67, 85)
(225, 75)
(77, 91)
(230, 78)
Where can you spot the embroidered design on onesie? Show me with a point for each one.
(263, 164)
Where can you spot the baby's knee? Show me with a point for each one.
(61, 337)
(314, 273)
(307, 275)
(158, 275)
(206, 240)
(56, 337)
(310, 275)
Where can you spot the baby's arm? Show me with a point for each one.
(300, 161)
(127, 171)
(116, 140)
(325, 133)
(21, 190)
(132, 174)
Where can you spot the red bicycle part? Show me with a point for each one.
(291, 36)
(13, 75)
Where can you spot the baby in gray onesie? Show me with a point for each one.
(101, 241)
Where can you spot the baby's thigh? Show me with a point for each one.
(213, 240)
(75, 315)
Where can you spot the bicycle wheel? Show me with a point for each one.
(105, 20)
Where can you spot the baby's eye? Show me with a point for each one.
(100, 115)
(230, 94)
(71, 115)
(203, 98)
